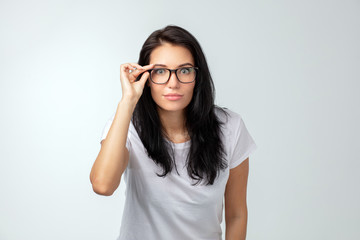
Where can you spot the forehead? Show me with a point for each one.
(171, 55)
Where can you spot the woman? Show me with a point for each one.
(180, 154)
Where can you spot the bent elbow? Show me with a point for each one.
(102, 189)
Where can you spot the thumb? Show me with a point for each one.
(144, 78)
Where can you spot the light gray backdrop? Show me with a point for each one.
(290, 68)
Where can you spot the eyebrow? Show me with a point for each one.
(163, 65)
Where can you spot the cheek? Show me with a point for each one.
(191, 90)
(155, 92)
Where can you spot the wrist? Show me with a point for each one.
(128, 101)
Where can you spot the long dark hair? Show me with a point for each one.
(206, 156)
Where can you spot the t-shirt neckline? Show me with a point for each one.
(180, 145)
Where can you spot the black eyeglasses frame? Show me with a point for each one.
(171, 71)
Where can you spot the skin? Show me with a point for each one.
(235, 202)
(113, 157)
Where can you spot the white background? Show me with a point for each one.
(290, 68)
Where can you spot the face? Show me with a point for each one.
(172, 57)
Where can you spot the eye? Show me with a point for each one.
(159, 71)
(185, 70)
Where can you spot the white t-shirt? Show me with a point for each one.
(159, 208)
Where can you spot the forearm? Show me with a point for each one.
(236, 228)
(112, 159)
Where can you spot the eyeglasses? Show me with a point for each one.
(183, 74)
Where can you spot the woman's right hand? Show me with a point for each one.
(128, 74)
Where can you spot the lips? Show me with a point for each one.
(173, 96)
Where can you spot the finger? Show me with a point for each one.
(138, 72)
(142, 70)
(126, 67)
(125, 76)
(133, 68)
(144, 78)
(133, 71)
(135, 65)
(150, 66)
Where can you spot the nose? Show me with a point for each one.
(173, 81)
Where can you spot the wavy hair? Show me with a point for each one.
(206, 156)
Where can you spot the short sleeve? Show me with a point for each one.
(244, 144)
(107, 128)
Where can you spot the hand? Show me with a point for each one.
(128, 74)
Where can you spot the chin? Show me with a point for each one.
(173, 108)
(168, 109)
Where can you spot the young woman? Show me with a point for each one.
(179, 153)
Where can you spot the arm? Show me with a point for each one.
(113, 157)
(235, 202)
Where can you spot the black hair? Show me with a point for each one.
(206, 156)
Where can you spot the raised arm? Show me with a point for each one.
(113, 157)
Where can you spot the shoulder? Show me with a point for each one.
(228, 117)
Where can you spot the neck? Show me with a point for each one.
(173, 123)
